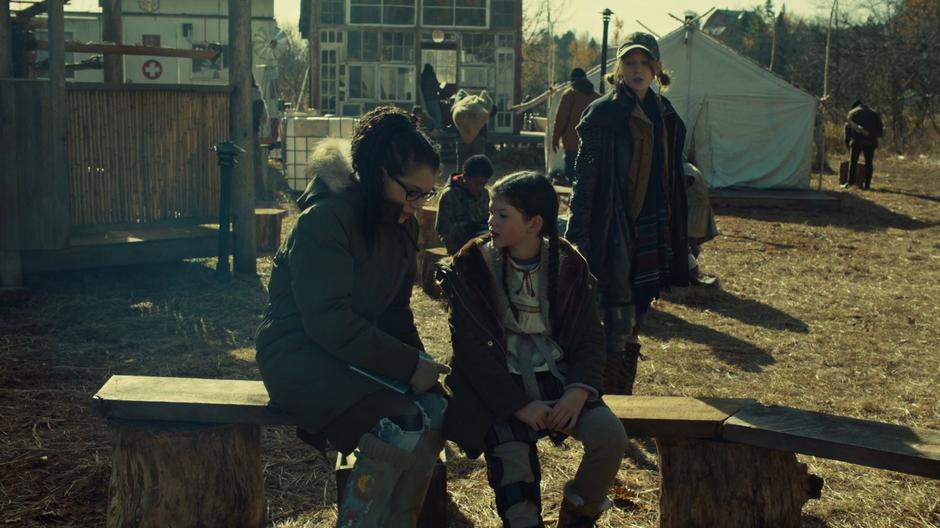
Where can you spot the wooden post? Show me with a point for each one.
(111, 31)
(6, 40)
(240, 123)
(56, 215)
(713, 483)
(11, 266)
(175, 474)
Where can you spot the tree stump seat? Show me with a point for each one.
(268, 228)
(732, 462)
(187, 453)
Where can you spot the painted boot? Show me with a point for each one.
(371, 483)
(411, 489)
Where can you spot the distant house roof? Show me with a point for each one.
(723, 19)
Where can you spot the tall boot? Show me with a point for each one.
(371, 483)
(412, 486)
(869, 172)
(574, 513)
(620, 370)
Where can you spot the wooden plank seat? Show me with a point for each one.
(712, 452)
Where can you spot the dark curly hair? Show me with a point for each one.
(387, 138)
(533, 194)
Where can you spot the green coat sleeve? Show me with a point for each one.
(398, 320)
(322, 267)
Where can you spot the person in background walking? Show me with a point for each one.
(863, 127)
(572, 105)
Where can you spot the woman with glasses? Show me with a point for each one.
(338, 349)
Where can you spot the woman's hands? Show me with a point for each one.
(426, 374)
(561, 415)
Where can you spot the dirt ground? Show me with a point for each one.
(828, 311)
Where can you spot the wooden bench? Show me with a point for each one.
(175, 439)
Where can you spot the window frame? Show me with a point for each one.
(454, 9)
(381, 22)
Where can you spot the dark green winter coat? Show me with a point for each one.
(336, 301)
(482, 389)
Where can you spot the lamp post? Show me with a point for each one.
(606, 16)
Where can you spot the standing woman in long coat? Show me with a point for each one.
(339, 318)
(629, 206)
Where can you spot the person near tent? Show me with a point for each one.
(573, 102)
(863, 127)
(430, 92)
(628, 207)
(529, 357)
(701, 223)
(337, 347)
(464, 206)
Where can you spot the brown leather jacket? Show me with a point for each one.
(572, 105)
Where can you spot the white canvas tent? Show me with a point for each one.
(747, 127)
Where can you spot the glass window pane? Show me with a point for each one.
(365, 15)
(470, 17)
(503, 14)
(354, 45)
(436, 16)
(370, 45)
(399, 15)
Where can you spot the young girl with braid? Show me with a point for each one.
(529, 356)
(338, 349)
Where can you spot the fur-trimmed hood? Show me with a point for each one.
(329, 170)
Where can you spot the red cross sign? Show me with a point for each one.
(152, 69)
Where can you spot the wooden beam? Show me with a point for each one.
(119, 49)
(240, 123)
(55, 116)
(111, 31)
(11, 267)
(6, 40)
(151, 398)
(674, 416)
(867, 443)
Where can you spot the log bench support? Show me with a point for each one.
(166, 473)
(713, 483)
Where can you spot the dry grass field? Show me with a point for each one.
(830, 311)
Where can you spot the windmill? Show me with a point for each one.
(268, 44)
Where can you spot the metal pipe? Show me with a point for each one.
(606, 17)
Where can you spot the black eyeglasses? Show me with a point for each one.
(415, 194)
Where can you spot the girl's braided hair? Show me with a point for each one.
(533, 194)
(387, 138)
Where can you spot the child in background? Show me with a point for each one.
(464, 204)
(529, 357)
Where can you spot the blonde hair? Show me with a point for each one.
(615, 78)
